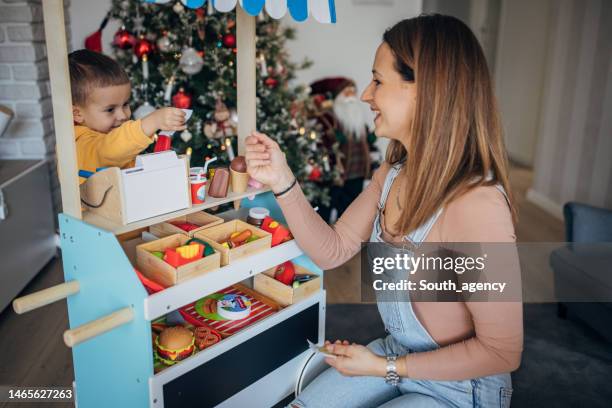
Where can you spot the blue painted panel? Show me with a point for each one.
(111, 370)
(268, 201)
(253, 7)
(298, 9)
(332, 11)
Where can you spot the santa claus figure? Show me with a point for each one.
(343, 119)
(223, 125)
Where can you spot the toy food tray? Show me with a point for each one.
(261, 307)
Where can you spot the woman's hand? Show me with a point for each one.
(266, 162)
(355, 360)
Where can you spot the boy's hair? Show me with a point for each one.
(88, 70)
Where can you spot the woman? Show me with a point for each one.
(445, 179)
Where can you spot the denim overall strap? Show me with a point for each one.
(376, 235)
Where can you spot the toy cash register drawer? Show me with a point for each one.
(157, 185)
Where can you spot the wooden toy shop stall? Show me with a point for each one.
(169, 305)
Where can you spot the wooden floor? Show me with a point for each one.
(34, 354)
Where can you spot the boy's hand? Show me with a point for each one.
(172, 119)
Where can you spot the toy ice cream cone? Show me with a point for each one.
(239, 177)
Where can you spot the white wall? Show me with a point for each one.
(572, 161)
(85, 18)
(520, 73)
(347, 48)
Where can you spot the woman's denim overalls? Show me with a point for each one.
(406, 335)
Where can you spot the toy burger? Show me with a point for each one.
(174, 344)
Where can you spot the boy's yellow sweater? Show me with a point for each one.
(118, 148)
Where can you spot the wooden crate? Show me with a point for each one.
(285, 295)
(217, 234)
(201, 218)
(165, 274)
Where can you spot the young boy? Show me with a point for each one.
(105, 135)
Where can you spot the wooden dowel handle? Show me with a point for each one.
(97, 327)
(45, 296)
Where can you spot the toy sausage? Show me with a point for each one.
(240, 238)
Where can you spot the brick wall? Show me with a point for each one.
(24, 84)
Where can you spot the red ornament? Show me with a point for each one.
(142, 47)
(181, 99)
(315, 174)
(271, 82)
(123, 39)
(229, 40)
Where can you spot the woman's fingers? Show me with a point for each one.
(257, 156)
(255, 147)
(251, 140)
(339, 349)
(256, 163)
(262, 138)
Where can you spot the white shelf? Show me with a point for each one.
(157, 381)
(117, 229)
(177, 296)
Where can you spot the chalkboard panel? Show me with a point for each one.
(218, 379)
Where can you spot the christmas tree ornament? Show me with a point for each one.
(143, 110)
(263, 66)
(186, 135)
(94, 41)
(164, 44)
(138, 24)
(168, 90)
(178, 8)
(124, 39)
(145, 67)
(191, 62)
(142, 47)
(271, 82)
(201, 23)
(230, 149)
(315, 174)
(181, 99)
(229, 40)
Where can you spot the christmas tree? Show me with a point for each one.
(187, 58)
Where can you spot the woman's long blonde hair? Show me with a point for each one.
(456, 139)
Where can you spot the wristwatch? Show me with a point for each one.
(392, 377)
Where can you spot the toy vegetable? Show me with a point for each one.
(279, 232)
(285, 273)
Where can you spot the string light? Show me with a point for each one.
(302, 131)
(313, 135)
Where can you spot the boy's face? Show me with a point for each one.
(106, 108)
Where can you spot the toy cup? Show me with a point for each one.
(198, 188)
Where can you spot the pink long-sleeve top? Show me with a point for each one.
(476, 338)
